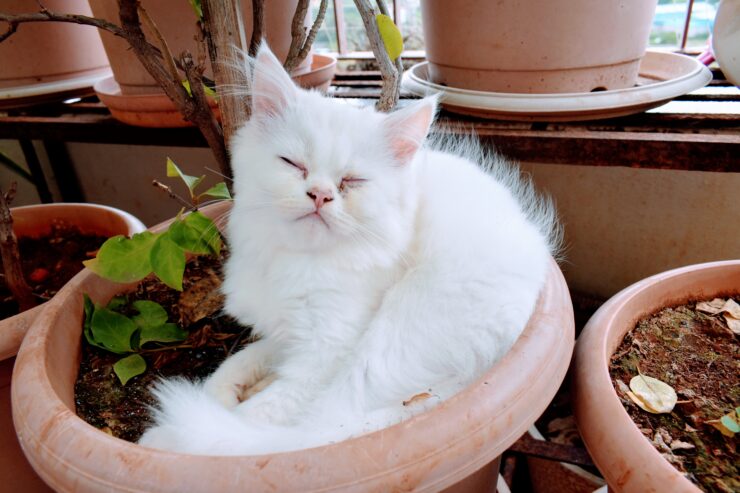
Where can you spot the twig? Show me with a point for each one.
(11, 256)
(169, 60)
(398, 61)
(173, 195)
(301, 43)
(258, 24)
(45, 15)
(391, 89)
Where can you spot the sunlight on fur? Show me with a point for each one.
(383, 270)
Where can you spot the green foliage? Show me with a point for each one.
(122, 259)
(197, 8)
(391, 36)
(107, 327)
(129, 367)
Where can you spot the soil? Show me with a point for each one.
(698, 355)
(49, 262)
(123, 411)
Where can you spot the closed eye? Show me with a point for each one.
(350, 182)
(297, 166)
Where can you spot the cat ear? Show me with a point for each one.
(272, 88)
(406, 129)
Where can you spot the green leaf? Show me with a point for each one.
(89, 307)
(196, 233)
(129, 367)
(391, 36)
(116, 302)
(190, 181)
(197, 8)
(164, 333)
(151, 314)
(218, 191)
(124, 259)
(208, 91)
(168, 261)
(730, 423)
(111, 330)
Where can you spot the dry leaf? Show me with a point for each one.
(729, 424)
(712, 307)
(417, 398)
(659, 442)
(652, 395)
(733, 323)
(679, 445)
(728, 308)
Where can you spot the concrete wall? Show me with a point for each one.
(621, 224)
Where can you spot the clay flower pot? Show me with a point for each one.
(134, 97)
(35, 221)
(45, 59)
(628, 461)
(455, 444)
(536, 46)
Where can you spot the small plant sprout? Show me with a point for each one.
(122, 259)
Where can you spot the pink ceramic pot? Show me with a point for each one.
(36, 221)
(176, 20)
(628, 461)
(452, 446)
(53, 57)
(536, 46)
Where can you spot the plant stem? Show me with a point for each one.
(11, 256)
(183, 202)
(301, 43)
(258, 24)
(224, 28)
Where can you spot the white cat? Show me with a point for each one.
(372, 267)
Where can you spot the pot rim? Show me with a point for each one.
(452, 437)
(13, 329)
(620, 450)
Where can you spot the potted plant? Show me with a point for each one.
(537, 46)
(34, 225)
(630, 431)
(456, 443)
(134, 97)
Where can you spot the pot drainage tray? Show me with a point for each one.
(662, 77)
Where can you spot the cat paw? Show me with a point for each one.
(276, 410)
(228, 394)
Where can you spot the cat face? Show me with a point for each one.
(316, 173)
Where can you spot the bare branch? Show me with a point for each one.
(12, 266)
(222, 22)
(169, 60)
(158, 184)
(388, 69)
(45, 15)
(301, 44)
(258, 23)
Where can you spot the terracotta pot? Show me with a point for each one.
(51, 53)
(536, 46)
(452, 445)
(35, 221)
(176, 20)
(549, 476)
(628, 461)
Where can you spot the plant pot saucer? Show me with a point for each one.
(662, 77)
(320, 75)
(141, 110)
(157, 110)
(47, 92)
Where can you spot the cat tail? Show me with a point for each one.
(189, 420)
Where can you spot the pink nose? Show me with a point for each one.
(320, 197)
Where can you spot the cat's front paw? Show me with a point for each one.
(227, 393)
(277, 408)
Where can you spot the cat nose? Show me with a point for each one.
(320, 197)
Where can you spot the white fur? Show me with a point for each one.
(416, 280)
